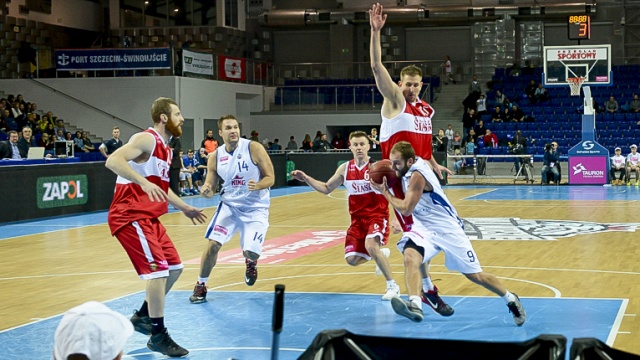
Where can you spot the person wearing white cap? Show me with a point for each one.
(617, 164)
(633, 164)
(91, 331)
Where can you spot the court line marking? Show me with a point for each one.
(135, 355)
(478, 194)
(617, 323)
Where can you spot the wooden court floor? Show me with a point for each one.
(45, 274)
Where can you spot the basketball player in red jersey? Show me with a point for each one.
(140, 198)
(405, 117)
(369, 229)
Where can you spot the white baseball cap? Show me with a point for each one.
(618, 148)
(93, 330)
(634, 146)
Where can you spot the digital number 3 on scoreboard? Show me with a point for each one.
(579, 27)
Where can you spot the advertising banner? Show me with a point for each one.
(113, 59)
(197, 63)
(588, 169)
(232, 68)
(57, 191)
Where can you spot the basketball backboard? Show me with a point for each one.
(593, 62)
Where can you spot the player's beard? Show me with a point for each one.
(175, 130)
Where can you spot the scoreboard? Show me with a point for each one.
(579, 27)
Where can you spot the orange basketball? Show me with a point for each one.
(383, 168)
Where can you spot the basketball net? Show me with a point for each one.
(574, 84)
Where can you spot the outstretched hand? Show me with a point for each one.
(376, 19)
(298, 175)
(195, 214)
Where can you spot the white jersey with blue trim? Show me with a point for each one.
(236, 168)
(433, 211)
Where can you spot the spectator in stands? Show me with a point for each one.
(34, 109)
(471, 137)
(62, 136)
(456, 142)
(78, 143)
(30, 121)
(496, 115)
(449, 134)
(191, 164)
(518, 114)
(26, 141)
(374, 141)
(633, 164)
(10, 120)
(91, 331)
(475, 86)
(322, 144)
(468, 121)
(618, 164)
(307, 145)
(475, 89)
(16, 111)
(550, 163)
(46, 142)
(108, 147)
(87, 144)
(338, 141)
(3, 126)
(507, 115)
(540, 95)
(318, 135)
(447, 70)
(500, 98)
(292, 145)
(634, 106)
(50, 128)
(3, 104)
(209, 142)
(611, 105)
(481, 105)
(9, 149)
(440, 141)
(254, 136)
(60, 126)
(530, 91)
(202, 162)
(458, 162)
(490, 139)
(275, 146)
(480, 129)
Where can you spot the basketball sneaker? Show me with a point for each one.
(199, 294)
(163, 343)
(516, 309)
(392, 291)
(386, 252)
(628, 183)
(141, 324)
(407, 309)
(434, 300)
(637, 182)
(251, 275)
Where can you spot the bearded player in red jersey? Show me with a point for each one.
(140, 198)
(405, 117)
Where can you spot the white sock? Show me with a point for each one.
(203, 280)
(427, 285)
(416, 301)
(508, 297)
(391, 283)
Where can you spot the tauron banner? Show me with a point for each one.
(113, 59)
(58, 191)
(197, 63)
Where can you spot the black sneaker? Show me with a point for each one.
(199, 294)
(407, 309)
(434, 300)
(516, 309)
(141, 324)
(251, 275)
(163, 343)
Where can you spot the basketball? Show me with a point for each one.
(380, 169)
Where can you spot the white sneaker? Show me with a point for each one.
(392, 291)
(386, 252)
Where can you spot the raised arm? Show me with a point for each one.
(393, 98)
(322, 187)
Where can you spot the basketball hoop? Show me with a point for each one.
(575, 83)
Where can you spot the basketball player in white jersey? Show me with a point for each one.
(436, 227)
(369, 229)
(405, 117)
(247, 174)
(633, 164)
(140, 198)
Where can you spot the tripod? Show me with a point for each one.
(525, 168)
